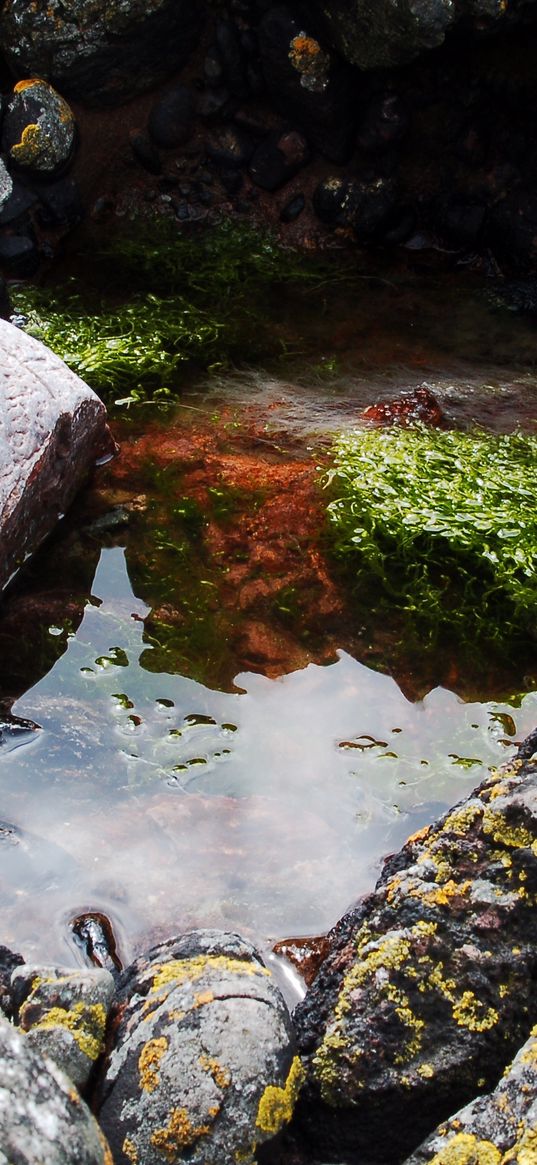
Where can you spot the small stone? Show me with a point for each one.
(350, 202)
(278, 158)
(38, 130)
(293, 208)
(64, 1013)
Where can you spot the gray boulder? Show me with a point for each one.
(43, 1120)
(204, 1066)
(64, 1013)
(494, 1128)
(99, 51)
(431, 983)
(52, 428)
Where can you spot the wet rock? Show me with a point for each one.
(493, 1128)
(99, 51)
(365, 207)
(430, 985)
(42, 1117)
(38, 129)
(8, 961)
(410, 408)
(94, 934)
(293, 209)
(52, 427)
(64, 1013)
(278, 158)
(170, 121)
(381, 33)
(203, 1068)
(308, 83)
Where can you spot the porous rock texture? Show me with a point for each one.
(100, 51)
(495, 1129)
(64, 1013)
(52, 428)
(383, 33)
(203, 1068)
(43, 1120)
(430, 987)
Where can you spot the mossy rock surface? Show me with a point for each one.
(430, 986)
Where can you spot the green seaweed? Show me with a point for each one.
(441, 526)
(173, 299)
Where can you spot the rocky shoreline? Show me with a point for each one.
(424, 997)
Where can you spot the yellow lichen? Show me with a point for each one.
(149, 1061)
(525, 1150)
(426, 1071)
(276, 1105)
(178, 1134)
(467, 1149)
(85, 1022)
(183, 970)
(460, 821)
(470, 1012)
(107, 1155)
(130, 1151)
(203, 997)
(30, 144)
(513, 836)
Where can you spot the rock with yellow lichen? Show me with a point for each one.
(38, 129)
(99, 51)
(431, 983)
(204, 1067)
(64, 1013)
(497, 1129)
(43, 1120)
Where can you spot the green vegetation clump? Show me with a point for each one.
(441, 526)
(172, 299)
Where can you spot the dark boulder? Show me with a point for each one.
(365, 207)
(60, 204)
(99, 51)
(431, 984)
(382, 33)
(308, 83)
(38, 129)
(19, 255)
(231, 146)
(204, 1067)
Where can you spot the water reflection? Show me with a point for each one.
(165, 805)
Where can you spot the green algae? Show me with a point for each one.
(441, 526)
(174, 300)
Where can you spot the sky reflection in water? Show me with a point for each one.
(167, 805)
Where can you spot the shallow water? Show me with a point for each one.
(167, 805)
(172, 786)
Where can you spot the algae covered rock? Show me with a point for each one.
(38, 130)
(496, 1128)
(100, 51)
(204, 1066)
(43, 1120)
(430, 986)
(64, 1013)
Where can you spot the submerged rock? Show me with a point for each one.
(203, 1069)
(494, 1128)
(52, 427)
(100, 51)
(430, 986)
(64, 1013)
(42, 1117)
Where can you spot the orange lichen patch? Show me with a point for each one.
(220, 1074)
(178, 1134)
(203, 997)
(28, 84)
(30, 143)
(107, 1155)
(419, 835)
(148, 1063)
(130, 1150)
